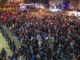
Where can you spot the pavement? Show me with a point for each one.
(4, 44)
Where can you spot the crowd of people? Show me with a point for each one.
(49, 37)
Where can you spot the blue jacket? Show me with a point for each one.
(33, 57)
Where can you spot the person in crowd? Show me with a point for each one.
(3, 54)
(14, 56)
(9, 58)
(45, 37)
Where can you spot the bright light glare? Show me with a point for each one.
(78, 13)
(40, 7)
(22, 7)
(55, 10)
(74, 12)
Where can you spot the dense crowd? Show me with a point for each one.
(47, 37)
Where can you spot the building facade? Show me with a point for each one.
(55, 2)
(74, 4)
(79, 4)
(16, 1)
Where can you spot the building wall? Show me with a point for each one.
(56, 2)
(27, 1)
(16, 1)
(74, 4)
(79, 5)
(64, 1)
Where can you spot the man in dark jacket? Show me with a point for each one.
(3, 53)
